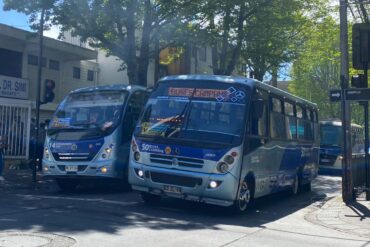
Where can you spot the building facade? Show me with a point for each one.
(69, 66)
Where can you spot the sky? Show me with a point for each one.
(19, 20)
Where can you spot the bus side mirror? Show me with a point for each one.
(258, 108)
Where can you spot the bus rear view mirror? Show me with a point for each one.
(258, 108)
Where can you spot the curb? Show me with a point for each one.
(336, 215)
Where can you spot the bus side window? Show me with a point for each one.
(257, 125)
(291, 122)
(277, 121)
(132, 114)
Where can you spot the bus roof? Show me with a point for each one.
(125, 87)
(239, 80)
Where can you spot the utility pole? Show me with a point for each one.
(347, 184)
(38, 93)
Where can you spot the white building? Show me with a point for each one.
(69, 66)
(195, 60)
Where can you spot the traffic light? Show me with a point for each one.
(48, 92)
(359, 81)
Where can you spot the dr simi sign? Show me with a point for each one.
(11, 87)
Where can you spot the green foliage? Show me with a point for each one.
(33, 8)
(317, 69)
(275, 34)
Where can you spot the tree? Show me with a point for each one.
(33, 10)
(317, 69)
(127, 29)
(275, 34)
(221, 24)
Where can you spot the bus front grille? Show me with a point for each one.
(70, 157)
(175, 179)
(173, 160)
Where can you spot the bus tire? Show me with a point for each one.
(150, 198)
(244, 197)
(306, 187)
(67, 185)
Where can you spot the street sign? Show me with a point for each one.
(335, 95)
(360, 94)
(352, 94)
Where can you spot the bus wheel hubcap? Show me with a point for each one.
(244, 196)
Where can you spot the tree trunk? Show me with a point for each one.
(143, 62)
(214, 50)
(131, 44)
(274, 79)
(259, 75)
(225, 40)
(236, 52)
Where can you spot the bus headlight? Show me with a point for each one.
(134, 147)
(107, 152)
(47, 154)
(222, 167)
(137, 156)
(226, 163)
(229, 159)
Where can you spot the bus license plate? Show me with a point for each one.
(172, 189)
(71, 169)
(325, 160)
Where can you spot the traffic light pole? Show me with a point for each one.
(366, 112)
(347, 184)
(38, 93)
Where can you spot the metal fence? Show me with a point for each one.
(15, 117)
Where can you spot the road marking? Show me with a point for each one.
(81, 199)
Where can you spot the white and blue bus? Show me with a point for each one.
(331, 137)
(90, 134)
(223, 140)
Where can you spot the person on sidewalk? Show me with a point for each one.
(2, 147)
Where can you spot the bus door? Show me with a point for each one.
(256, 156)
(134, 107)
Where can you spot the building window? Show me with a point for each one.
(33, 60)
(90, 75)
(76, 73)
(11, 63)
(53, 64)
(202, 54)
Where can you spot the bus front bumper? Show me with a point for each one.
(105, 169)
(188, 185)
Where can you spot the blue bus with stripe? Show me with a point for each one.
(223, 140)
(89, 137)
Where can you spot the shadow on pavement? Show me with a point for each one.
(103, 211)
(361, 210)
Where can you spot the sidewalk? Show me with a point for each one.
(19, 180)
(353, 219)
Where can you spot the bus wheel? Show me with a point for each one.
(295, 185)
(244, 198)
(150, 198)
(67, 185)
(306, 187)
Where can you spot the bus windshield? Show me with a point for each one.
(213, 113)
(331, 135)
(89, 110)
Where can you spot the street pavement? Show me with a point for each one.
(38, 214)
